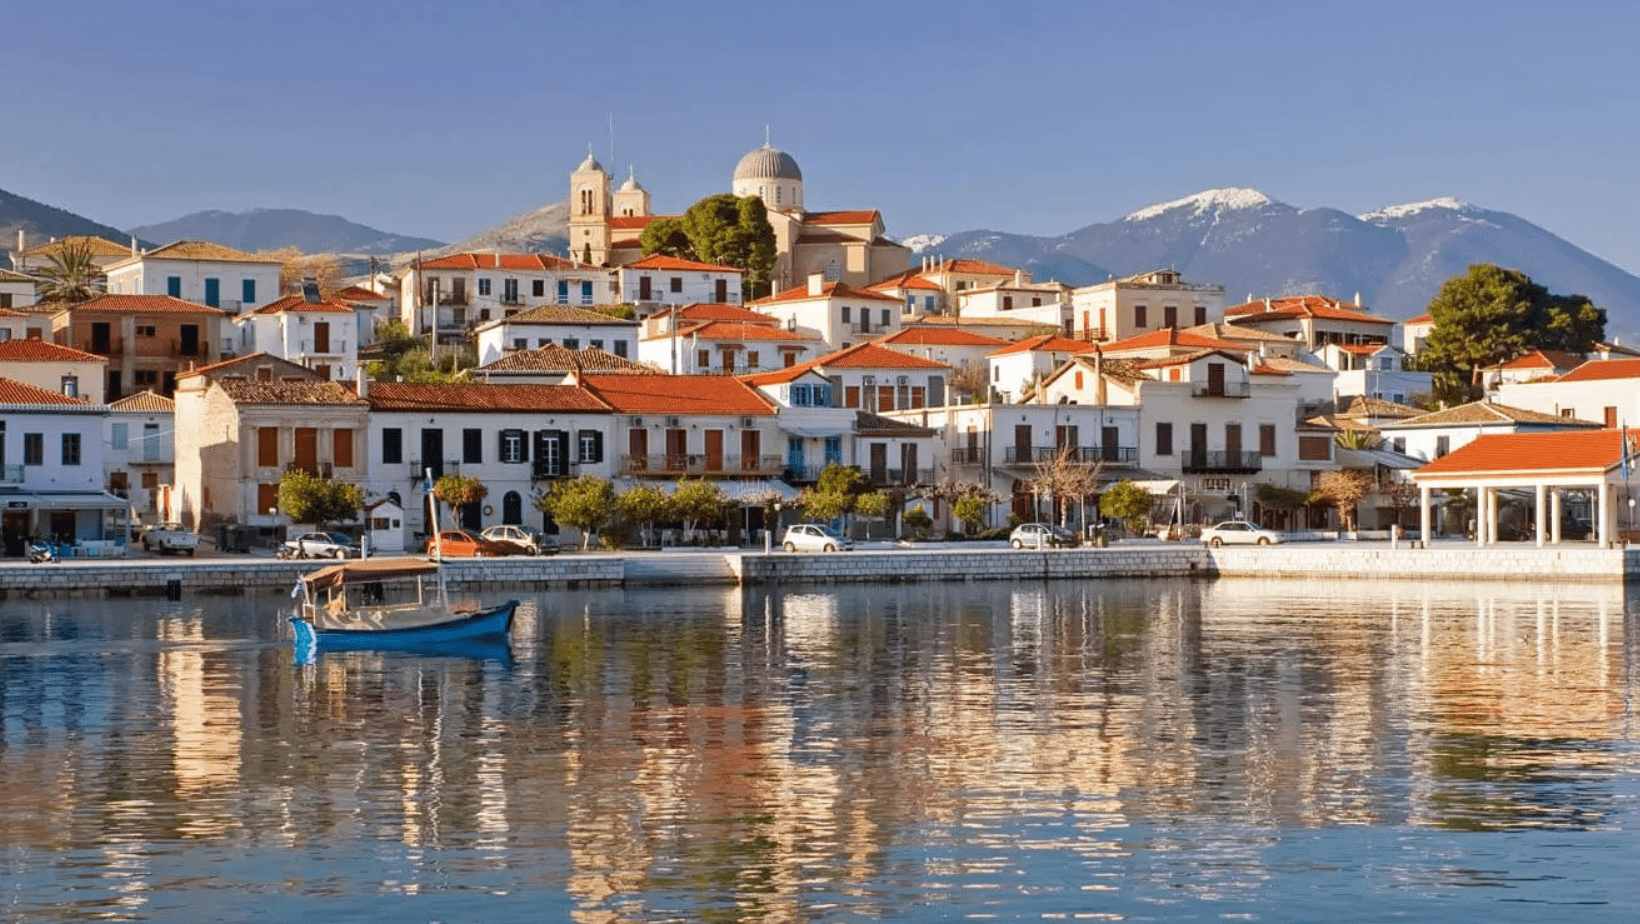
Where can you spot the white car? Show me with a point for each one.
(527, 540)
(1041, 536)
(1239, 532)
(814, 537)
(320, 545)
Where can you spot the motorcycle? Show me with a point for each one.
(42, 552)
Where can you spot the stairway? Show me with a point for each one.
(702, 567)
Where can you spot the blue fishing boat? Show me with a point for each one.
(384, 603)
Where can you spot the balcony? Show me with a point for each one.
(806, 474)
(967, 455)
(195, 350)
(106, 346)
(1221, 389)
(11, 474)
(666, 464)
(1082, 455)
(901, 476)
(1221, 461)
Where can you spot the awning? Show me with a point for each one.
(1158, 487)
(817, 432)
(62, 500)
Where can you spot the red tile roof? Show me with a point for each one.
(296, 303)
(1420, 319)
(142, 304)
(1046, 343)
(737, 330)
(560, 314)
(633, 222)
(1185, 359)
(37, 350)
(359, 294)
(941, 336)
(828, 290)
(144, 402)
(523, 262)
(859, 356)
(715, 311)
(554, 358)
(677, 394)
(972, 267)
(467, 397)
(906, 282)
(1600, 370)
(15, 393)
(1514, 453)
(854, 217)
(1544, 359)
(1362, 349)
(662, 262)
(1173, 337)
(1299, 306)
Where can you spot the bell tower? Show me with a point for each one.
(589, 209)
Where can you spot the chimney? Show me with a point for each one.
(21, 242)
(361, 383)
(817, 283)
(1099, 394)
(1358, 298)
(133, 245)
(1019, 278)
(1267, 305)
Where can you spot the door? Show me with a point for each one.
(213, 292)
(720, 292)
(1198, 445)
(1022, 443)
(1232, 444)
(714, 450)
(101, 338)
(1108, 450)
(307, 450)
(637, 450)
(321, 337)
(645, 293)
(879, 463)
(189, 345)
(1215, 378)
(677, 449)
(908, 463)
(432, 451)
(751, 446)
(458, 291)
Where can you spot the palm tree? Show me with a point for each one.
(73, 275)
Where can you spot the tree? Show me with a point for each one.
(724, 229)
(1342, 489)
(583, 503)
(1065, 477)
(71, 274)
(698, 503)
(308, 498)
(643, 506)
(917, 522)
(459, 491)
(1129, 503)
(969, 509)
(1491, 315)
(296, 266)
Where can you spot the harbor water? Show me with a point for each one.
(1145, 750)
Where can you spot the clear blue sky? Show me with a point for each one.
(443, 118)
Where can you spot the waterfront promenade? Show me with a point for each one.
(874, 563)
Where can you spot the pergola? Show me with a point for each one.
(1545, 463)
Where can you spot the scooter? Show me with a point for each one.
(42, 552)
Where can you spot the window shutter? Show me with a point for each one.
(836, 390)
(597, 446)
(936, 391)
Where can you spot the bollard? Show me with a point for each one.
(173, 585)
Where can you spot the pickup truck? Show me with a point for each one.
(170, 538)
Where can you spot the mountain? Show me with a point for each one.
(271, 229)
(540, 230)
(42, 222)
(1395, 257)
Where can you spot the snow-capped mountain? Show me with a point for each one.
(1396, 257)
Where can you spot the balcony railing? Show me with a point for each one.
(11, 474)
(1083, 455)
(806, 474)
(1221, 389)
(700, 464)
(1219, 460)
(967, 455)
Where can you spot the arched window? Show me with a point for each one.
(512, 509)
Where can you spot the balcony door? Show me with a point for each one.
(714, 450)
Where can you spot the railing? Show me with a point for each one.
(11, 474)
(316, 469)
(699, 464)
(1082, 455)
(801, 474)
(1221, 389)
(967, 455)
(1219, 460)
(888, 476)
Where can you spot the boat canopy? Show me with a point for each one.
(370, 569)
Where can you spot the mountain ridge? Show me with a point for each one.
(270, 229)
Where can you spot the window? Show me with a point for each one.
(145, 330)
(150, 443)
(34, 449)
(675, 284)
(484, 285)
(538, 288)
(703, 359)
(173, 286)
(885, 317)
(1399, 444)
(1611, 416)
(572, 343)
(1164, 439)
(597, 344)
(267, 498)
(119, 437)
(1201, 315)
(1007, 302)
(512, 446)
(845, 314)
(586, 293)
(590, 446)
(1139, 319)
(1315, 448)
(1443, 445)
(267, 446)
(71, 449)
(563, 291)
(509, 291)
(1266, 439)
(213, 292)
(341, 447)
(392, 446)
(1170, 315)
(751, 359)
(620, 348)
(521, 343)
(247, 291)
(472, 446)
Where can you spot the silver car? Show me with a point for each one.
(1239, 532)
(527, 540)
(814, 537)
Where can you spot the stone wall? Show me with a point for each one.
(1443, 563)
(975, 565)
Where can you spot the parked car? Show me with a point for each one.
(170, 538)
(320, 545)
(1239, 532)
(814, 537)
(527, 540)
(459, 543)
(1041, 536)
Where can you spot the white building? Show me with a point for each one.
(1606, 390)
(51, 470)
(321, 335)
(571, 328)
(1117, 309)
(465, 289)
(16, 290)
(1045, 305)
(658, 279)
(1314, 321)
(141, 453)
(200, 272)
(1430, 436)
(53, 367)
(728, 347)
(1016, 368)
(840, 314)
(1374, 370)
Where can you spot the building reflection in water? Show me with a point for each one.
(758, 754)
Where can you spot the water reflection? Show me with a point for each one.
(1116, 750)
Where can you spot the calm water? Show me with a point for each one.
(1139, 751)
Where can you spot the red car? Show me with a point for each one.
(459, 543)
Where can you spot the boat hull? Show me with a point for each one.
(491, 623)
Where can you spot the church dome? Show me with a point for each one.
(767, 163)
(631, 184)
(590, 163)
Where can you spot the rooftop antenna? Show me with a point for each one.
(766, 135)
(612, 137)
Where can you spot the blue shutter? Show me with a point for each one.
(213, 292)
(247, 291)
(173, 286)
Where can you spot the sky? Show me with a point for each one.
(442, 119)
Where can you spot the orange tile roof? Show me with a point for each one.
(99, 246)
(1601, 370)
(1514, 453)
(1543, 359)
(296, 303)
(37, 350)
(291, 393)
(554, 358)
(1046, 343)
(906, 282)
(854, 217)
(142, 304)
(144, 402)
(941, 336)
(1185, 359)
(1362, 349)
(634, 222)
(1484, 412)
(678, 394)
(15, 393)
(715, 311)
(1420, 319)
(359, 294)
(8, 313)
(657, 261)
(203, 250)
(1311, 306)
(971, 267)
(859, 356)
(469, 397)
(738, 330)
(561, 314)
(1171, 337)
(521, 262)
(828, 290)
